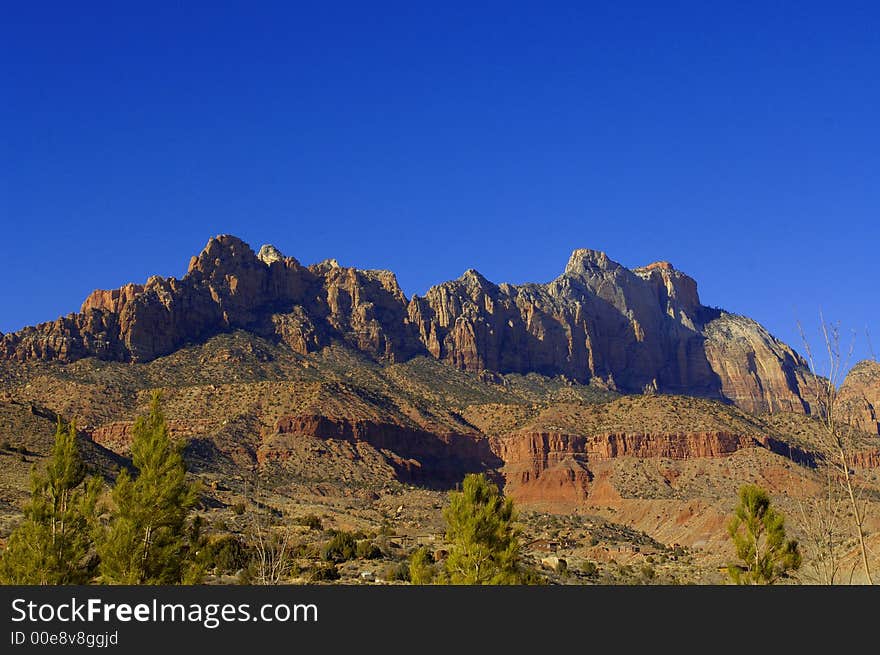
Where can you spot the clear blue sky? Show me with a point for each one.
(738, 140)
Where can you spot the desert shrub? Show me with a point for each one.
(304, 550)
(225, 554)
(311, 521)
(590, 569)
(398, 571)
(238, 509)
(562, 567)
(324, 572)
(254, 574)
(648, 572)
(366, 549)
(625, 570)
(246, 575)
(341, 547)
(529, 575)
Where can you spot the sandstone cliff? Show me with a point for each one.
(634, 330)
(228, 286)
(860, 396)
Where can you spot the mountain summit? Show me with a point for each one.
(630, 330)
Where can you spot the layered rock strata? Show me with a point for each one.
(631, 330)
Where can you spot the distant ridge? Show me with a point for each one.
(629, 330)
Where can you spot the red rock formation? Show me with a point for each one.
(389, 436)
(541, 448)
(634, 330)
(866, 459)
(227, 287)
(433, 457)
(117, 436)
(675, 292)
(639, 329)
(597, 320)
(112, 301)
(559, 467)
(860, 396)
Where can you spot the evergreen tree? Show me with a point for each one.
(51, 545)
(758, 534)
(147, 541)
(421, 567)
(484, 544)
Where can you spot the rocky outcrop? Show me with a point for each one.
(860, 396)
(419, 455)
(636, 330)
(532, 453)
(756, 371)
(866, 459)
(228, 286)
(549, 464)
(117, 435)
(555, 466)
(632, 330)
(598, 320)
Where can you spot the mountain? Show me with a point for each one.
(628, 330)
(617, 411)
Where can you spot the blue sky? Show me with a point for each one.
(738, 140)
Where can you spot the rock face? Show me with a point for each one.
(598, 320)
(860, 396)
(227, 286)
(118, 435)
(560, 467)
(418, 455)
(757, 371)
(634, 330)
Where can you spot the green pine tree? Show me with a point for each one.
(421, 567)
(758, 534)
(484, 543)
(146, 541)
(51, 546)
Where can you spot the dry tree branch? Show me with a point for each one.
(271, 548)
(838, 433)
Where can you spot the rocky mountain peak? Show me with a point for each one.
(675, 291)
(661, 265)
(269, 253)
(222, 254)
(584, 260)
(641, 328)
(473, 279)
(323, 267)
